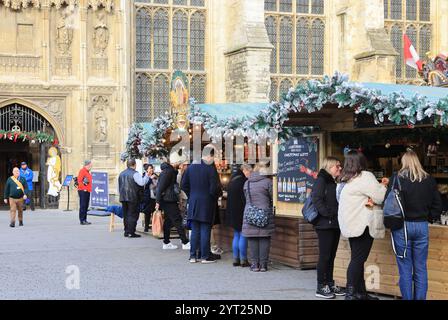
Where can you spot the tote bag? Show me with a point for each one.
(157, 224)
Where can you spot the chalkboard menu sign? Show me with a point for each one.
(297, 168)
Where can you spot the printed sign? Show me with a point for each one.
(297, 169)
(99, 197)
(67, 181)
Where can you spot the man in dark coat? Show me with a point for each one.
(168, 200)
(236, 202)
(200, 183)
(129, 183)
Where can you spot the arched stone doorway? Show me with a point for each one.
(16, 119)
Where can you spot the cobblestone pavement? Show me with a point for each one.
(37, 263)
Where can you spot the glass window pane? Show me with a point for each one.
(425, 41)
(143, 1)
(303, 6)
(161, 40)
(271, 27)
(180, 41)
(286, 46)
(180, 2)
(285, 85)
(412, 34)
(161, 95)
(303, 45)
(273, 91)
(161, 1)
(197, 89)
(197, 41)
(286, 5)
(395, 9)
(397, 41)
(143, 98)
(425, 10)
(386, 9)
(143, 38)
(317, 6)
(197, 3)
(317, 47)
(411, 9)
(270, 5)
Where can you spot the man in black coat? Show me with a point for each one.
(167, 198)
(129, 183)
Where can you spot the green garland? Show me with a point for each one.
(33, 137)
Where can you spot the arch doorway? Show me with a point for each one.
(26, 135)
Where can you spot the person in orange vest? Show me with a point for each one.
(84, 181)
(15, 192)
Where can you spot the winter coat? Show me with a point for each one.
(200, 184)
(84, 174)
(28, 175)
(353, 215)
(261, 197)
(324, 200)
(166, 181)
(236, 201)
(219, 193)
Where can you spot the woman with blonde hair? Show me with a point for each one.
(421, 204)
(327, 227)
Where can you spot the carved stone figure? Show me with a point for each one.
(54, 170)
(100, 125)
(64, 33)
(100, 34)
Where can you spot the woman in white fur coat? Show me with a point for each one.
(360, 218)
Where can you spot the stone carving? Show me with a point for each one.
(54, 108)
(64, 33)
(70, 3)
(100, 34)
(100, 103)
(97, 4)
(19, 4)
(19, 64)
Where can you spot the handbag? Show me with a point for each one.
(394, 217)
(309, 211)
(157, 224)
(254, 215)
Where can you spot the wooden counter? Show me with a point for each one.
(383, 256)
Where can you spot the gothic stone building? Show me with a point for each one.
(84, 70)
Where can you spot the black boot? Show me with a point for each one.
(245, 264)
(350, 294)
(236, 262)
(20, 223)
(323, 291)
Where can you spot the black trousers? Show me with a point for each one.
(328, 246)
(84, 199)
(131, 213)
(172, 218)
(259, 249)
(148, 209)
(360, 247)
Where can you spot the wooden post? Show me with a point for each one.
(42, 175)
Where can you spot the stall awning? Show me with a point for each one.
(223, 111)
(433, 94)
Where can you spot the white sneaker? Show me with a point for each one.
(193, 260)
(169, 246)
(186, 246)
(217, 250)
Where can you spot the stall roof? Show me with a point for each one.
(433, 94)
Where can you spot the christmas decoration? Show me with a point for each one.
(33, 137)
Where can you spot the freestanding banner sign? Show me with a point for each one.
(100, 190)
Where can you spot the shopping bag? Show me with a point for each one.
(157, 223)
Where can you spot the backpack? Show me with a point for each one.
(309, 211)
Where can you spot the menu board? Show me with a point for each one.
(297, 168)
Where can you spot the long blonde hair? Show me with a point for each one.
(412, 168)
(329, 162)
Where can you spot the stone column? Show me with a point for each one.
(368, 49)
(248, 52)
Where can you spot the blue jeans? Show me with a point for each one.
(413, 269)
(200, 239)
(239, 245)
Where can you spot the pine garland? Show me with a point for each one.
(33, 137)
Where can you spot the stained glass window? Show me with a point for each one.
(197, 3)
(180, 41)
(286, 46)
(285, 85)
(303, 6)
(425, 10)
(180, 2)
(425, 40)
(143, 38)
(395, 9)
(317, 47)
(411, 10)
(161, 95)
(270, 5)
(412, 34)
(317, 6)
(143, 98)
(386, 9)
(302, 56)
(197, 41)
(396, 35)
(271, 27)
(161, 31)
(197, 88)
(286, 5)
(161, 1)
(273, 91)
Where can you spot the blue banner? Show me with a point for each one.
(100, 190)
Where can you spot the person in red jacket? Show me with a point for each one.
(84, 190)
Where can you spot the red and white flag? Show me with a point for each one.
(410, 54)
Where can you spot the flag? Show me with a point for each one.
(410, 54)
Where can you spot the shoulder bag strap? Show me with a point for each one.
(248, 191)
(18, 183)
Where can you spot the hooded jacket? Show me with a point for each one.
(324, 199)
(166, 180)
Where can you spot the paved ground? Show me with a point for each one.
(34, 261)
